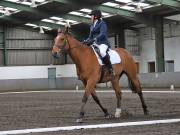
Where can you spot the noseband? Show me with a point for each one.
(62, 47)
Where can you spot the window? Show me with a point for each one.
(169, 67)
(151, 67)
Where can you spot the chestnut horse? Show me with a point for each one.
(89, 71)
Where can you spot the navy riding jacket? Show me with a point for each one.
(99, 33)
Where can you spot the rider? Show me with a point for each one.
(98, 36)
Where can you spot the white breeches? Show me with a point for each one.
(103, 48)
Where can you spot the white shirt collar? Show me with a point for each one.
(95, 23)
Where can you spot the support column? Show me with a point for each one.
(65, 58)
(116, 40)
(121, 38)
(159, 44)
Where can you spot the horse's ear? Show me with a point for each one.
(67, 26)
(59, 30)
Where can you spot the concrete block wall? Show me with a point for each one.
(36, 78)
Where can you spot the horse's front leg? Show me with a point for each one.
(96, 99)
(90, 84)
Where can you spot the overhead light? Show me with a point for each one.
(21, 1)
(7, 13)
(32, 25)
(33, 4)
(41, 30)
(138, 0)
(138, 8)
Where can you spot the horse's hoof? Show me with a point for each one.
(80, 120)
(117, 113)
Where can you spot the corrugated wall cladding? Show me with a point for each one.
(1, 28)
(1, 57)
(170, 30)
(1, 45)
(69, 60)
(19, 33)
(29, 43)
(28, 47)
(147, 33)
(29, 57)
(112, 41)
(132, 42)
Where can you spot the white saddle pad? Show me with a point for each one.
(114, 57)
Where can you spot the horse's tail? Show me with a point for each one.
(130, 69)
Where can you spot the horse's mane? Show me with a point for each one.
(79, 42)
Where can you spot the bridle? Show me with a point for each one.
(66, 42)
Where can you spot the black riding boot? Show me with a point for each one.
(107, 62)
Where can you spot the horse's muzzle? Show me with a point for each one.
(55, 55)
(55, 52)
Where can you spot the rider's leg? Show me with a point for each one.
(107, 62)
(103, 49)
(105, 57)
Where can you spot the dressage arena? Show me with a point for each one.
(48, 68)
(54, 112)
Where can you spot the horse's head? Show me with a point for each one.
(61, 41)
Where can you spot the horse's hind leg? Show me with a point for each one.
(116, 87)
(96, 99)
(140, 94)
(137, 88)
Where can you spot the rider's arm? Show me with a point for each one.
(89, 40)
(90, 34)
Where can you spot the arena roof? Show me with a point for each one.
(52, 14)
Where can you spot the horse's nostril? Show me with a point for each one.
(55, 55)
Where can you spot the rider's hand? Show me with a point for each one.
(84, 42)
(88, 42)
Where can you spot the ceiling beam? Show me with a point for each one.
(170, 3)
(127, 14)
(67, 2)
(40, 23)
(29, 9)
(17, 6)
(76, 18)
(124, 13)
(11, 19)
(44, 14)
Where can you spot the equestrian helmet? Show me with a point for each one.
(97, 13)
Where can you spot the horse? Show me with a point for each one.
(89, 71)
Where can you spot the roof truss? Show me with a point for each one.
(116, 11)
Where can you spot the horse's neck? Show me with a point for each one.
(77, 52)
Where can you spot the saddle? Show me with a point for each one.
(114, 56)
(106, 66)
